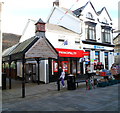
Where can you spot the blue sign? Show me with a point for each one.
(118, 53)
(98, 47)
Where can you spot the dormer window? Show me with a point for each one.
(104, 21)
(89, 15)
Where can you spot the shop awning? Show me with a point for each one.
(70, 52)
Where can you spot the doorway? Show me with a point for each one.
(30, 72)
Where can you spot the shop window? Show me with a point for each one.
(55, 66)
(90, 32)
(106, 60)
(87, 57)
(65, 66)
(106, 38)
(97, 56)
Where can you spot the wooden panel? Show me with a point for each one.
(41, 49)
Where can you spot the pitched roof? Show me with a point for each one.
(40, 21)
(32, 48)
(41, 49)
(8, 51)
(78, 11)
(104, 8)
(23, 45)
(18, 50)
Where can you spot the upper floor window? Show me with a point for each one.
(106, 38)
(90, 32)
(89, 15)
(77, 40)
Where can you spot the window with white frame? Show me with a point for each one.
(90, 32)
(61, 39)
(77, 40)
(106, 38)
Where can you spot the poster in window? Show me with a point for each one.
(65, 65)
(55, 66)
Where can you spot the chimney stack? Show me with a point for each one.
(56, 3)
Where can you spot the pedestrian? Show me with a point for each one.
(62, 77)
(113, 70)
(88, 71)
(60, 71)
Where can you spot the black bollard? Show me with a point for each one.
(58, 84)
(23, 89)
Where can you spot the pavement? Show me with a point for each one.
(45, 97)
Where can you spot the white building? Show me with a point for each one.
(66, 42)
(94, 29)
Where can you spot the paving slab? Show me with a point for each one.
(45, 97)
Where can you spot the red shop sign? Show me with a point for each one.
(86, 53)
(70, 52)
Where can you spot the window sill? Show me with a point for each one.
(106, 42)
(91, 40)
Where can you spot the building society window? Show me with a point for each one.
(97, 56)
(106, 60)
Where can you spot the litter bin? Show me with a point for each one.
(3, 81)
(71, 82)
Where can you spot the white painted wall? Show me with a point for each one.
(53, 37)
(102, 58)
(110, 59)
(19, 69)
(42, 70)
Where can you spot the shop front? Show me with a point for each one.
(68, 60)
(100, 57)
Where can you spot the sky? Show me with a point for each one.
(15, 13)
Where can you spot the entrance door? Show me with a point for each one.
(30, 72)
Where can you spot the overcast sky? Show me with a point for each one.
(17, 12)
